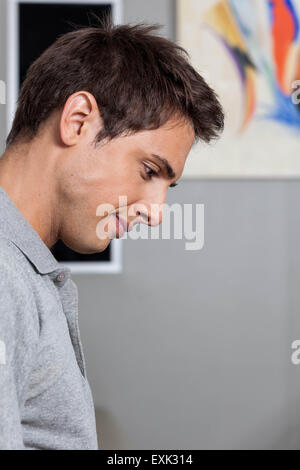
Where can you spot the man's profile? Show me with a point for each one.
(104, 112)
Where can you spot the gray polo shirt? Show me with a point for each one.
(45, 398)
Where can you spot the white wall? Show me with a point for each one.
(2, 70)
(192, 349)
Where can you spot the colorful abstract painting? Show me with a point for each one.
(249, 52)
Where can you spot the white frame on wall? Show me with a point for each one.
(114, 266)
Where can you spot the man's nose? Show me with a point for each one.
(149, 213)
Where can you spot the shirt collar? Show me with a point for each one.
(15, 227)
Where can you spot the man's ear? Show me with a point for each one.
(80, 118)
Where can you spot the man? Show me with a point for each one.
(105, 112)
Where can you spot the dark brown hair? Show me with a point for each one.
(138, 79)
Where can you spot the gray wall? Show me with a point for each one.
(192, 349)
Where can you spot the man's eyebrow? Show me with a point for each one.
(166, 166)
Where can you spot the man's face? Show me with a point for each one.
(125, 166)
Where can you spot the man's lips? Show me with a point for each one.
(122, 227)
(125, 226)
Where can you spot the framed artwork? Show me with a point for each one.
(32, 26)
(249, 52)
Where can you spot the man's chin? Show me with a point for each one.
(96, 246)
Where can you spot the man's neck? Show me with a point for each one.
(28, 179)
